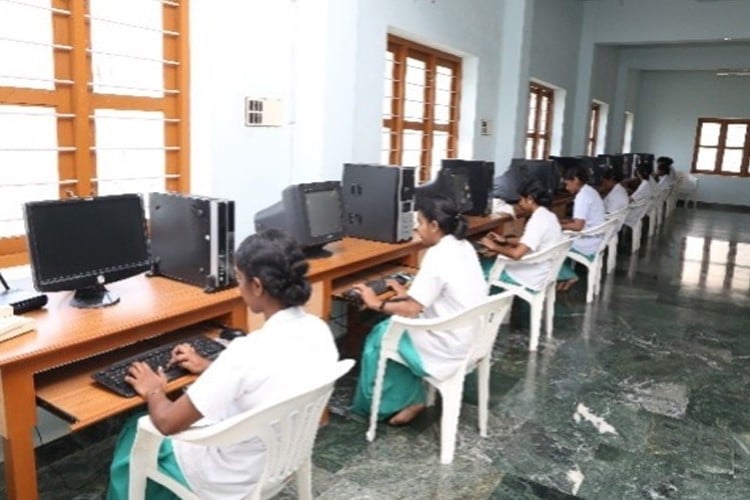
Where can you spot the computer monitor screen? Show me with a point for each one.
(543, 171)
(519, 171)
(596, 169)
(310, 213)
(81, 244)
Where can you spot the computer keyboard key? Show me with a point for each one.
(113, 377)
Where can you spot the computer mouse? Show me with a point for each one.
(231, 333)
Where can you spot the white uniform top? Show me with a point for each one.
(664, 182)
(252, 371)
(541, 232)
(616, 199)
(643, 192)
(652, 183)
(589, 207)
(449, 280)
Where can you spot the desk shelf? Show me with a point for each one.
(70, 392)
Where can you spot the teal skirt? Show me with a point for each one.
(567, 270)
(487, 263)
(119, 471)
(402, 384)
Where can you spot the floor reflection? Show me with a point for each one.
(715, 264)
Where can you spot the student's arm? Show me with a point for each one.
(401, 306)
(515, 252)
(169, 417)
(573, 224)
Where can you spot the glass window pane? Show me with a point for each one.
(127, 60)
(443, 97)
(736, 133)
(412, 149)
(21, 22)
(732, 161)
(710, 134)
(413, 110)
(416, 71)
(531, 124)
(543, 114)
(540, 149)
(442, 115)
(130, 157)
(386, 145)
(443, 81)
(30, 172)
(529, 147)
(706, 159)
(439, 149)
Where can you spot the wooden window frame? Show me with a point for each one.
(77, 167)
(397, 124)
(534, 132)
(721, 147)
(596, 109)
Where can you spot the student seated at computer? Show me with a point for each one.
(669, 162)
(541, 231)
(588, 212)
(664, 179)
(251, 371)
(617, 197)
(449, 280)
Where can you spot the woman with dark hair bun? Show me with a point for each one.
(449, 281)
(542, 230)
(252, 371)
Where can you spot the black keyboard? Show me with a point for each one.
(113, 377)
(379, 286)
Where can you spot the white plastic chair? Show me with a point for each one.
(656, 211)
(605, 230)
(618, 215)
(687, 188)
(638, 210)
(486, 318)
(286, 427)
(538, 299)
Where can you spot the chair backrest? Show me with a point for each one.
(605, 230)
(555, 254)
(639, 208)
(485, 316)
(618, 215)
(286, 427)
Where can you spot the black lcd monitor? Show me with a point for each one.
(310, 213)
(636, 160)
(596, 168)
(84, 243)
(467, 182)
(616, 163)
(519, 171)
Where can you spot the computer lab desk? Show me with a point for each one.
(52, 365)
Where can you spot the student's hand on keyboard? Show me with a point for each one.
(144, 380)
(369, 298)
(184, 356)
(396, 286)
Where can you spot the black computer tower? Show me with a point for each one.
(378, 202)
(192, 239)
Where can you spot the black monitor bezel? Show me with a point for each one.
(86, 279)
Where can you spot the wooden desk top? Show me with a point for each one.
(147, 307)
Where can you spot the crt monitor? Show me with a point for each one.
(311, 213)
(84, 243)
(468, 183)
(519, 171)
(596, 169)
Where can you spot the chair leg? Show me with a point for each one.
(430, 395)
(612, 260)
(451, 393)
(377, 393)
(549, 310)
(536, 323)
(483, 389)
(304, 480)
(590, 283)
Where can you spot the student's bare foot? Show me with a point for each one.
(406, 415)
(567, 285)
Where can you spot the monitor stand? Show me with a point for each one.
(316, 252)
(93, 297)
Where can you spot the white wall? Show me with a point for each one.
(555, 45)
(326, 60)
(669, 105)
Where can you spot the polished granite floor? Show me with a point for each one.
(642, 394)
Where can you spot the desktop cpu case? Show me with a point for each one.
(378, 202)
(192, 239)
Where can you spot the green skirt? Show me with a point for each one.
(119, 471)
(567, 271)
(402, 384)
